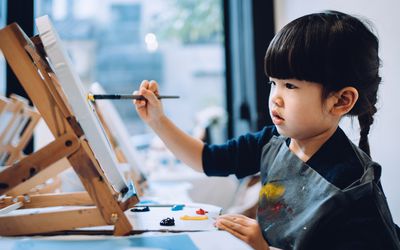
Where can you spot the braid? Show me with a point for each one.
(366, 119)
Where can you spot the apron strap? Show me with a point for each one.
(372, 173)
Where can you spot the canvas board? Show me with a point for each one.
(82, 108)
(118, 128)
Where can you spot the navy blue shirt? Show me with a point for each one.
(335, 161)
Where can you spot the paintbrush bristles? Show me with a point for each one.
(90, 97)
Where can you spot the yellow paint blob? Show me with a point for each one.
(272, 191)
(198, 217)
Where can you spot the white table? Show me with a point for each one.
(175, 241)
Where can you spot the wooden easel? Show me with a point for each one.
(18, 120)
(27, 59)
(18, 129)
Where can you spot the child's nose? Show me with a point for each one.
(275, 99)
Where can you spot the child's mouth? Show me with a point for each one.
(276, 118)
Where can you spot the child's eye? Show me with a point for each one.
(290, 86)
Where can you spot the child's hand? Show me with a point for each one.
(150, 110)
(244, 228)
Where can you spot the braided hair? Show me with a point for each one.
(336, 50)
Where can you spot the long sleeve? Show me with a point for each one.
(240, 156)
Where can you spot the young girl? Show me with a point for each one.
(318, 188)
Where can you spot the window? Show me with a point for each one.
(2, 60)
(119, 43)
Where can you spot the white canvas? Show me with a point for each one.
(118, 128)
(84, 112)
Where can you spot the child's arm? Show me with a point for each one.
(184, 147)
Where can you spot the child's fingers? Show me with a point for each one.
(149, 95)
(145, 84)
(235, 226)
(153, 86)
(138, 103)
(231, 229)
(237, 218)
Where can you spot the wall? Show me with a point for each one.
(385, 133)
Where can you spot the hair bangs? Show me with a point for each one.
(298, 51)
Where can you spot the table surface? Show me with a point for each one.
(174, 241)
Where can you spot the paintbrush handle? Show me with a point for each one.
(137, 97)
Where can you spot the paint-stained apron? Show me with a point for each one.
(295, 199)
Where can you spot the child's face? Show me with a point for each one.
(298, 110)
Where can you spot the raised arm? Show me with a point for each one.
(183, 146)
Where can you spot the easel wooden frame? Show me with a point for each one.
(21, 125)
(20, 120)
(27, 60)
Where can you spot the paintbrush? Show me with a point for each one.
(92, 97)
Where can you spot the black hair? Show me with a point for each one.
(336, 50)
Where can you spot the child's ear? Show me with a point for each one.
(344, 100)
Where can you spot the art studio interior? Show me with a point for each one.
(155, 124)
